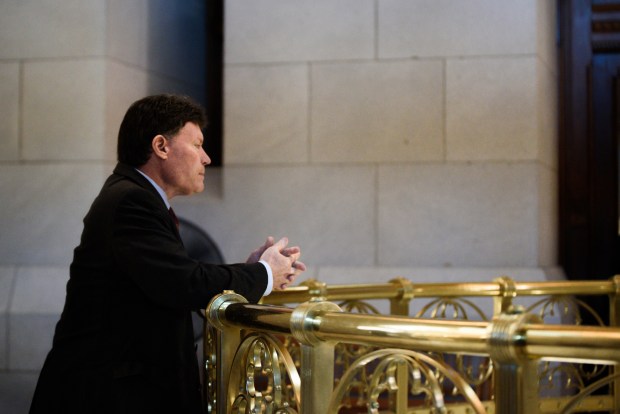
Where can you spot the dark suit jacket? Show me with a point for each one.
(124, 342)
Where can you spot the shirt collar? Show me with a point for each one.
(158, 188)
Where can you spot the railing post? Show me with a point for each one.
(614, 302)
(317, 357)
(516, 384)
(227, 340)
(508, 291)
(400, 304)
(316, 289)
(402, 382)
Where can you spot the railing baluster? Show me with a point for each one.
(227, 340)
(399, 305)
(515, 372)
(502, 303)
(317, 357)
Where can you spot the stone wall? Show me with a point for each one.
(412, 138)
(389, 133)
(68, 71)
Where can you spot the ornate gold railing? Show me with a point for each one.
(401, 292)
(278, 354)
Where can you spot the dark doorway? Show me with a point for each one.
(589, 46)
(214, 134)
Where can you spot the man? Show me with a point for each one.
(124, 342)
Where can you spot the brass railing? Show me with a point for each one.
(275, 359)
(400, 292)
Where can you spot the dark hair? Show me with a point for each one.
(152, 116)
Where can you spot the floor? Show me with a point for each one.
(16, 389)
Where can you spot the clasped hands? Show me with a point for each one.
(284, 261)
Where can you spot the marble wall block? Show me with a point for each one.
(7, 277)
(266, 114)
(328, 211)
(4, 335)
(450, 28)
(124, 85)
(30, 340)
(547, 33)
(492, 109)
(547, 115)
(38, 300)
(128, 32)
(377, 111)
(64, 110)
(43, 210)
(9, 111)
(548, 208)
(458, 215)
(293, 31)
(52, 28)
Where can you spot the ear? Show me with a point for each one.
(159, 146)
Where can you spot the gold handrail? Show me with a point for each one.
(557, 342)
(392, 290)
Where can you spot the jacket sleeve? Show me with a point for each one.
(148, 250)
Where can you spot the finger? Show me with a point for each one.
(290, 250)
(268, 243)
(281, 244)
(258, 252)
(292, 253)
(293, 257)
(299, 266)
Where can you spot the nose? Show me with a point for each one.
(204, 158)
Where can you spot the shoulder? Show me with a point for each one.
(127, 184)
(118, 189)
(123, 195)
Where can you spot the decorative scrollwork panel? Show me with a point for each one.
(402, 379)
(566, 379)
(264, 378)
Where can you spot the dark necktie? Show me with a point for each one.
(174, 217)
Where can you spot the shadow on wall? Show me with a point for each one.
(176, 47)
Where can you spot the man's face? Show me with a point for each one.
(185, 166)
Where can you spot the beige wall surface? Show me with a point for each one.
(376, 134)
(448, 107)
